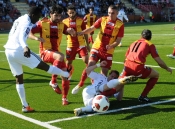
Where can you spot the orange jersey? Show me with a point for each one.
(139, 50)
(51, 33)
(90, 19)
(78, 25)
(109, 31)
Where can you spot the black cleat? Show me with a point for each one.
(144, 99)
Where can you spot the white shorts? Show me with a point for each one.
(88, 94)
(16, 60)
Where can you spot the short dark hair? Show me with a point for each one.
(146, 34)
(34, 10)
(56, 9)
(114, 71)
(71, 7)
(114, 7)
(91, 8)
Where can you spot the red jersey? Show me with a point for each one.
(51, 33)
(90, 19)
(78, 25)
(139, 50)
(109, 31)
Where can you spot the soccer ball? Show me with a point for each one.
(100, 103)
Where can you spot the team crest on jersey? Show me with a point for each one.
(110, 23)
(54, 27)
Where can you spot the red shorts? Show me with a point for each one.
(47, 56)
(71, 52)
(98, 55)
(133, 68)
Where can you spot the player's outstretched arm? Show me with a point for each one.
(91, 68)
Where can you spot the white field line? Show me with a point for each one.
(110, 111)
(37, 122)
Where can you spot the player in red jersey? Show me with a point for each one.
(90, 20)
(135, 63)
(109, 36)
(76, 44)
(51, 30)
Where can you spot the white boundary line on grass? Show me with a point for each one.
(110, 111)
(37, 122)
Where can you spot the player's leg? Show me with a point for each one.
(172, 55)
(70, 56)
(153, 78)
(56, 59)
(17, 71)
(84, 54)
(88, 95)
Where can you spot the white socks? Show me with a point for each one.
(87, 109)
(57, 71)
(21, 92)
(113, 83)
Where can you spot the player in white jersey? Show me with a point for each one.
(121, 15)
(19, 54)
(100, 84)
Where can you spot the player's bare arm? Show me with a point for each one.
(32, 36)
(86, 31)
(91, 68)
(115, 44)
(162, 64)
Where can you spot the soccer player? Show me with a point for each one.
(109, 36)
(173, 53)
(51, 31)
(90, 20)
(76, 44)
(100, 85)
(135, 63)
(121, 15)
(19, 54)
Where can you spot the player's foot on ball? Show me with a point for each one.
(27, 109)
(128, 79)
(55, 87)
(77, 111)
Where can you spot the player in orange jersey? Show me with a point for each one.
(76, 44)
(51, 30)
(90, 20)
(135, 60)
(109, 36)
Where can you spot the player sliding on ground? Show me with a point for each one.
(101, 84)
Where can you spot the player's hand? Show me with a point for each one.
(103, 63)
(108, 47)
(80, 33)
(39, 39)
(72, 32)
(26, 52)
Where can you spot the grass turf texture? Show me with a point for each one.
(48, 104)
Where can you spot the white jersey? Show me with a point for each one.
(19, 33)
(121, 15)
(90, 91)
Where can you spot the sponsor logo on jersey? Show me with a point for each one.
(110, 23)
(54, 27)
(72, 23)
